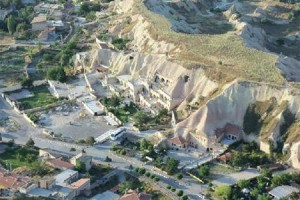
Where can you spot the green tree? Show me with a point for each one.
(0, 137)
(90, 140)
(5, 3)
(244, 184)
(144, 144)
(80, 166)
(20, 27)
(185, 197)
(26, 82)
(180, 193)
(11, 24)
(281, 179)
(30, 143)
(57, 73)
(203, 171)
(224, 192)
(264, 197)
(84, 8)
(254, 193)
(115, 101)
(179, 176)
(171, 165)
(91, 16)
(140, 118)
(17, 3)
(47, 57)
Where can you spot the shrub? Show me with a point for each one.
(169, 187)
(90, 140)
(185, 197)
(180, 193)
(120, 43)
(26, 82)
(173, 189)
(148, 174)
(123, 152)
(108, 159)
(72, 149)
(57, 74)
(157, 179)
(137, 170)
(152, 176)
(142, 171)
(179, 176)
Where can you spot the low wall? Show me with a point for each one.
(29, 120)
(47, 106)
(111, 114)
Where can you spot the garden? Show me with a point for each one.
(26, 158)
(122, 111)
(41, 97)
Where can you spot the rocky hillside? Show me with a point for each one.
(237, 71)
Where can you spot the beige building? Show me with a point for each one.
(177, 142)
(80, 186)
(39, 23)
(148, 93)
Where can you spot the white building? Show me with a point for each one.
(66, 177)
(94, 107)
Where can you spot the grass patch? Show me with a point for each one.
(19, 157)
(124, 113)
(42, 97)
(13, 61)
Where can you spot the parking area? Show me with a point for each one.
(74, 122)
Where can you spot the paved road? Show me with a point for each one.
(25, 131)
(99, 152)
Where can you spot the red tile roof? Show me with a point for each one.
(229, 128)
(177, 140)
(79, 183)
(12, 181)
(60, 164)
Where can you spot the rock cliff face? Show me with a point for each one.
(147, 66)
(231, 105)
(152, 56)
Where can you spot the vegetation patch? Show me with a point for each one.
(255, 114)
(42, 97)
(24, 157)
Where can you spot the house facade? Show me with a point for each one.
(151, 93)
(177, 142)
(39, 23)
